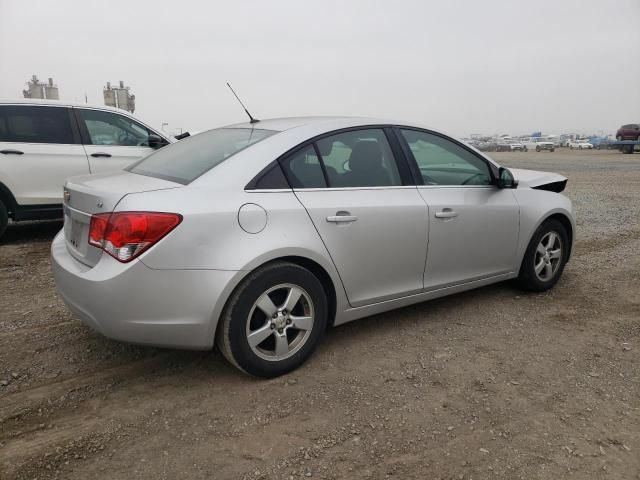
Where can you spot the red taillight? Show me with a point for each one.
(125, 235)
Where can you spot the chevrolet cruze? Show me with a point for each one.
(257, 237)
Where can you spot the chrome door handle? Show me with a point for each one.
(446, 213)
(342, 217)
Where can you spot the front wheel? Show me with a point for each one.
(537, 149)
(552, 150)
(545, 257)
(274, 320)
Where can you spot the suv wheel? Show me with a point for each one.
(274, 320)
(4, 218)
(537, 148)
(545, 257)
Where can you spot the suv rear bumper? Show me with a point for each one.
(134, 303)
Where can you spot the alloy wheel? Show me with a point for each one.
(280, 322)
(548, 256)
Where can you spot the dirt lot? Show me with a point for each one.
(494, 383)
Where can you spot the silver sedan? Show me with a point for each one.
(257, 237)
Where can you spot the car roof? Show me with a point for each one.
(287, 123)
(60, 103)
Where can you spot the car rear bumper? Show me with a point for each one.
(134, 303)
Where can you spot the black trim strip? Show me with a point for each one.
(322, 166)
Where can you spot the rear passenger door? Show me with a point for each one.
(112, 141)
(364, 205)
(39, 148)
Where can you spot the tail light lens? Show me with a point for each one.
(125, 235)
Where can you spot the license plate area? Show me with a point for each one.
(76, 231)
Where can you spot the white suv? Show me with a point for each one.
(42, 142)
(538, 144)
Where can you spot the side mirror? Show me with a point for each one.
(155, 141)
(506, 179)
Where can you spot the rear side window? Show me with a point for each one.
(360, 158)
(187, 159)
(34, 124)
(303, 169)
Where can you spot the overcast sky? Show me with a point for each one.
(491, 66)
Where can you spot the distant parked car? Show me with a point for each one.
(42, 142)
(489, 146)
(538, 144)
(629, 132)
(509, 146)
(580, 144)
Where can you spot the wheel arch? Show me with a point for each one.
(567, 224)
(315, 267)
(8, 199)
(323, 276)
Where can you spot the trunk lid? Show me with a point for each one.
(100, 193)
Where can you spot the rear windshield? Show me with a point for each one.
(187, 159)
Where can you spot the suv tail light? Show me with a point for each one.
(125, 235)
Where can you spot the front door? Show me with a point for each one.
(112, 141)
(473, 225)
(372, 223)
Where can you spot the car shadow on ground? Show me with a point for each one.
(24, 232)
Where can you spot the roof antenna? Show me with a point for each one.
(251, 119)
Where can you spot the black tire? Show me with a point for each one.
(552, 149)
(4, 218)
(231, 336)
(537, 149)
(528, 279)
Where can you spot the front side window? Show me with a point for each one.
(32, 124)
(187, 159)
(360, 158)
(443, 162)
(107, 128)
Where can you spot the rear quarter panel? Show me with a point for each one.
(210, 236)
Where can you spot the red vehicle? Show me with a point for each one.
(628, 132)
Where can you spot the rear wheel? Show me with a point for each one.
(4, 218)
(537, 149)
(545, 257)
(274, 320)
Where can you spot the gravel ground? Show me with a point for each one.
(493, 383)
